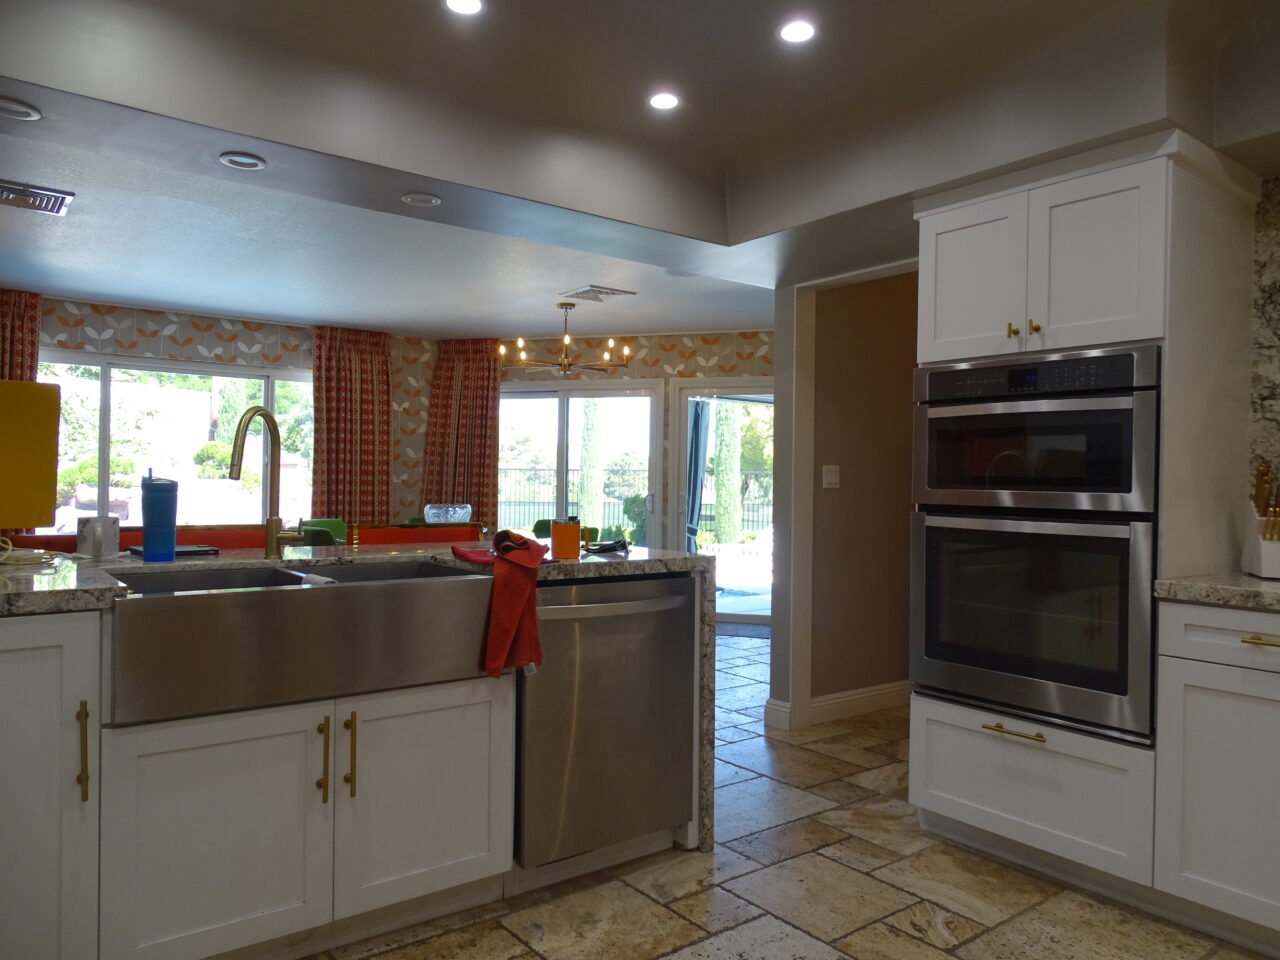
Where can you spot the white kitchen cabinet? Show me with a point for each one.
(49, 712)
(1096, 258)
(1083, 798)
(426, 791)
(973, 280)
(215, 834)
(1218, 779)
(1075, 263)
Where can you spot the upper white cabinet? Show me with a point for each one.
(1074, 263)
(49, 786)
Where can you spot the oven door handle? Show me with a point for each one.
(1063, 404)
(1117, 531)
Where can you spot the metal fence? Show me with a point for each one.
(528, 494)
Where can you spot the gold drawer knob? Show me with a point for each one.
(1011, 331)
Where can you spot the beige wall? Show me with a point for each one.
(865, 354)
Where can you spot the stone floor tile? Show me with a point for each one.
(749, 695)
(727, 773)
(885, 821)
(715, 909)
(883, 725)
(897, 749)
(841, 791)
(782, 761)
(611, 921)
(758, 672)
(379, 944)
(673, 874)
(484, 941)
(930, 923)
(820, 896)
(764, 939)
(1075, 926)
(757, 712)
(732, 661)
(851, 748)
(731, 718)
(880, 942)
(755, 805)
(860, 854)
(734, 734)
(818, 731)
(1228, 952)
(968, 884)
(890, 779)
(754, 726)
(787, 841)
(727, 681)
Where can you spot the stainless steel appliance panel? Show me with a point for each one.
(1121, 701)
(606, 724)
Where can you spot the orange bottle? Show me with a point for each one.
(566, 536)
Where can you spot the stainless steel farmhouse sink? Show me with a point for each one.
(190, 643)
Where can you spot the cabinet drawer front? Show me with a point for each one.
(1238, 638)
(1075, 796)
(1218, 778)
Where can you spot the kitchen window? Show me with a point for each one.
(122, 418)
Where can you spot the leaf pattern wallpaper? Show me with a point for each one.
(663, 356)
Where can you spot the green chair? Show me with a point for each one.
(317, 537)
(336, 529)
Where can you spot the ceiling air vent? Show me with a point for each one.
(40, 199)
(599, 294)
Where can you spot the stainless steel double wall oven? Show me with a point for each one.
(1033, 539)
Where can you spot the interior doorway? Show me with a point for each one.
(725, 491)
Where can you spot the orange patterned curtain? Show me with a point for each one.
(461, 462)
(351, 475)
(19, 334)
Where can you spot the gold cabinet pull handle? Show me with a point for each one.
(1011, 331)
(1033, 327)
(323, 783)
(1257, 641)
(82, 778)
(1000, 728)
(350, 778)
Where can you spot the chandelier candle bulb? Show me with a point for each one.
(566, 363)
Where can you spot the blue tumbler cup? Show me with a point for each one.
(159, 518)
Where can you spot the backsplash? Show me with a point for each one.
(1264, 427)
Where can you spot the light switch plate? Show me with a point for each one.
(830, 476)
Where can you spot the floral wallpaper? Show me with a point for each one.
(170, 335)
(665, 356)
(412, 364)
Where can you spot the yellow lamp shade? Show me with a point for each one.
(28, 453)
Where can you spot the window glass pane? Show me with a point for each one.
(180, 426)
(295, 413)
(77, 442)
(527, 431)
(608, 471)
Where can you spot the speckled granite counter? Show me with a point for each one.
(1231, 590)
(71, 584)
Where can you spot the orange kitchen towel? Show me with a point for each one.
(512, 638)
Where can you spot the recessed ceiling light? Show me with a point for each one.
(421, 200)
(664, 101)
(17, 110)
(467, 7)
(239, 160)
(797, 31)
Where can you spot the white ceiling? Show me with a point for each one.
(149, 236)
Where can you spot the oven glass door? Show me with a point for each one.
(1050, 616)
(1072, 453)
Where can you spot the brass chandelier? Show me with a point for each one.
(564, 363)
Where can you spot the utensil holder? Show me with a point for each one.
(1259, 557)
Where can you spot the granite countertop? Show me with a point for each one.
(1224, 590)
(74, 583)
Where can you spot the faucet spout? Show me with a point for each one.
(274, 538)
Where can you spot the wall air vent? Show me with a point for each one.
(599, 294)
(39, 199)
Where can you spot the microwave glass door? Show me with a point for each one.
(1044, 605)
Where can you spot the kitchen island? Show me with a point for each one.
(62, 623)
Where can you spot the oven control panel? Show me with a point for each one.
(1076, 375)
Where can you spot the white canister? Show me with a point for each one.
(98, 536)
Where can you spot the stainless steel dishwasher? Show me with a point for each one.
(606, 724)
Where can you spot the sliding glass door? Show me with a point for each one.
(585, 451)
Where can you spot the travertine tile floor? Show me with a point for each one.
(818, 857)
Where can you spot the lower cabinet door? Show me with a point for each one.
(1218, 787)
(426, 791)
(1079, 797)
(216, 832)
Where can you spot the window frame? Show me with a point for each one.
(108, 362)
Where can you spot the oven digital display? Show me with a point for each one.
(1023, 379)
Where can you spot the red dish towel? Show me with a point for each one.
(512, 638)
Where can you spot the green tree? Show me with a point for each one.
(623, 476)
(589, 486)
(757, 451)
(728, 473)
(297, 418)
